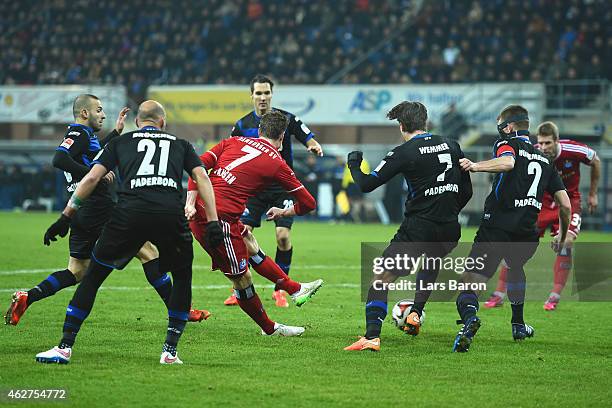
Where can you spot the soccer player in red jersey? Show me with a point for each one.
(567, 156)
(240, 168)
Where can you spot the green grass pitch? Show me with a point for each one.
(228, 363)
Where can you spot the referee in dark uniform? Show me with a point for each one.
(150, 162)
(275, 196)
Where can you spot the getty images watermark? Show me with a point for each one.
(405, 264)
(590, 279)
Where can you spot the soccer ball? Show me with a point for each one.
(401, 310)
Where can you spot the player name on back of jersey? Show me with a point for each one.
(433, 149)
(533, 156)
(152, 135)
(259, 146)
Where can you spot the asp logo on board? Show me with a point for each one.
(370, 101)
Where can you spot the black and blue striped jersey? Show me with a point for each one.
(515, 199)
(437, 188)
(81, 144)
(248, 126)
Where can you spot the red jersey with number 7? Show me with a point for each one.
(242, 167)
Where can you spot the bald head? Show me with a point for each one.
(83, 102)
(151, 111)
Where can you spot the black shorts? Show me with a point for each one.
(494, 244)
(85, 229)
(127, 231)
(258, 205)
(417, 236)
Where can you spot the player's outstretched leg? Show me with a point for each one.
(497, 298)
(21, 300)
(467, 306)
(249, 302)
(77, 311)
(300, 293)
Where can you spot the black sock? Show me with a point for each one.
(82, 302)
(515, 289)
(423, 278)
(517, 313)
(161, 282)
(283, 259)
(176, 326)
(467, 305)
(51, 285)
(170, 349)
(375, 312)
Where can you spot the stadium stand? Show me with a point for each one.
(296, 41)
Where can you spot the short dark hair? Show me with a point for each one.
(515, 110)
(548, 129)
(262, 79)
(411, 115)
(82, 102)
(273, 124)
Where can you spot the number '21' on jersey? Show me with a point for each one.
(151, 164)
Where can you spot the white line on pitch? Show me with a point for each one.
(195, 267)
(207, 287)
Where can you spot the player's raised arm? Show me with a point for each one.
(503, 161)
(386, 169)
(119, 126)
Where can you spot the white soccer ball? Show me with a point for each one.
(401, 310)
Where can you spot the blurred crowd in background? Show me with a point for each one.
(142, 42)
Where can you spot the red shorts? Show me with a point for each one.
(232, 256)
(549, 217)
